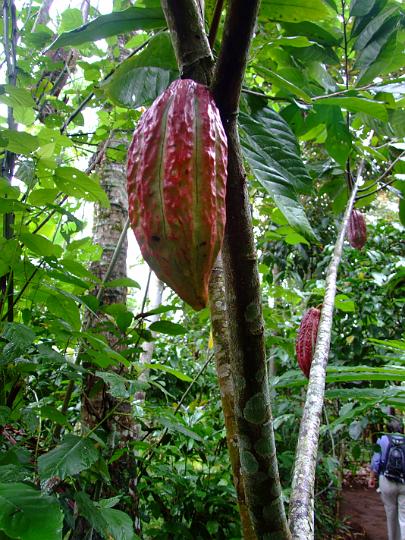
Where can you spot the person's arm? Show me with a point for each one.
(372, 479)
(374, 468)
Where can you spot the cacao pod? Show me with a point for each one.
(177, 171)
(306, 339)
(356, 229)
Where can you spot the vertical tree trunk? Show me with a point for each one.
(223, 366)
(247, 351)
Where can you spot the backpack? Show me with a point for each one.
(394, 464)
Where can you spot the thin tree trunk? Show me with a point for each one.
(222, 361)
(149, 346)
(43, 14)
(302, 496)
(247, 351)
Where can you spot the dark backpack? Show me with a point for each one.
(394, 465)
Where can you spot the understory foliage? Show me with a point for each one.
(324, 92)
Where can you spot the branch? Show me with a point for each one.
(385, 173)
(302, 496)
(215, 22)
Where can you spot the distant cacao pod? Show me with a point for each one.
(306, 339)
(177, 171)
(356, 229)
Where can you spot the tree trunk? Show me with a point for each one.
(247, 351)
(302, 496)
(223, 366)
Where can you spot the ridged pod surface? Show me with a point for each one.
(306, 339)
(177, 171)
(356, 229)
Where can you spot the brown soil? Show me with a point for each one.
(363, 510)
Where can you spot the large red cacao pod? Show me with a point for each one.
(356, 229)
(177, 171)
(306, 339)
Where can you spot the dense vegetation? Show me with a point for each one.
(96, 440)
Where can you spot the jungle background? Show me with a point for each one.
(111, 419)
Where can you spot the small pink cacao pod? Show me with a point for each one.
(356, 229)
(306, 339)
(177, 171)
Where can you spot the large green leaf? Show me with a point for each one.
(359, 8)
(143, 77)
(119, 22)
(167, 369)
(374, 108)
(390, 58)
(272, 151)
(321, 33)
(77, 184)
(40, 245)
(294, 10)
(168, 327)
(111, 524)
(72, 456)
(283, 83)
(65, 308)
(373, 27)
(19, 338)
(391, 396)
(26, 514)
(343, 374)
(19, 141)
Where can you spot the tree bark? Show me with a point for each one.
(247, 351)
(302, 496)
(223, 366)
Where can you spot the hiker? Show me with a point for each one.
(389, 466)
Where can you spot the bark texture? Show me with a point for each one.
(223, 366)
(243, 297)
(302, 496)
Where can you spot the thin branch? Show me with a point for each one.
(385, 173)
(215, 22)
(387, 184)
(302, 495)
(90, 96)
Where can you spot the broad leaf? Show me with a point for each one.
(356, 104)
(16, 97)
(76, 183)
(281, 82)
(119, 22)
(273, 155)
(359, 8)
(19, 338)
(109, 523)
(161, 367)
(120, 387)
(27, 514)
(65, 308)
(143, 77)
(176, 426)
(40, 245)
(19, 141)
(321, 33)
(168, 327)
(294, 10)
(373, 27)
(72, 456)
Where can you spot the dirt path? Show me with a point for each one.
(364, 509)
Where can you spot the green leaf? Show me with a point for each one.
(19, 338)
(281, 82)
(140, 79)
(77, 184)
(53, 414)
(119, 22)
(273, 155)
(373, 27)
(110, 523)
(344, 303)
(176, 426)
(294, 10)
(120, 387)
(40, 245)
(391, 58)
(321, 33)
(374, 108)
(15, 97)
(73, 455)
(122, 282)
(168, 327)
(27, 514)
(19, 142)
(358, 8)
(65, 308)
(71, 18)
(161, 367)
